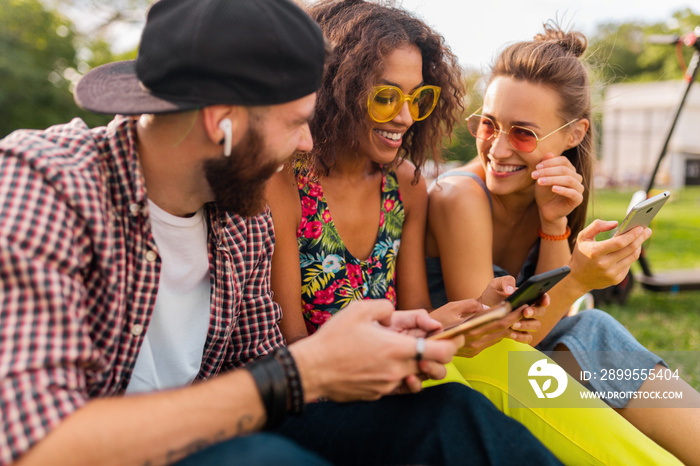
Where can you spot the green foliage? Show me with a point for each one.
(38, 65)
(621, 52)
(461, 145)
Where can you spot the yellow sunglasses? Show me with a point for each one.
(385, 102)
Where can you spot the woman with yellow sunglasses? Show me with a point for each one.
(350, 216)
(356, 204)
(519, 210)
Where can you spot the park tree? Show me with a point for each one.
(622, 52)
(101, 20)
(41, 58)
(460, 146)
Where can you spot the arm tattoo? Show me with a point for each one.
(193, 447)
(245, 424)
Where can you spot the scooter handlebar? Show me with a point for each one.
(663, 39)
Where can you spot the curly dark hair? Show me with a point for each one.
(362, 34)
(553, 59)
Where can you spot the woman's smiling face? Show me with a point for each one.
(509, 102)
(403, 68)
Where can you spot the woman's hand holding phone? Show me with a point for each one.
(536, 286)
(514, 324)
(642, 213)
(501, 288)
(497, 290)
(599, 264)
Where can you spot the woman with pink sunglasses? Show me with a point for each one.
(520, 209)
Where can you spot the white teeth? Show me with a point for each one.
(506, 168)
(388, 135)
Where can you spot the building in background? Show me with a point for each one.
(636, 121)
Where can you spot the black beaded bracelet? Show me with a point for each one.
(291, 372)
(279, 382)
(270, 378)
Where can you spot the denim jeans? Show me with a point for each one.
(262, 449)
(597, 341)
(443, 425)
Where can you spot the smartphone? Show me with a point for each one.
(473, 320)
(642, 214)
(536, 286)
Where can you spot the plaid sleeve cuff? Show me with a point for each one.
(33, 403)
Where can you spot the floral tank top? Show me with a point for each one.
(331, 277)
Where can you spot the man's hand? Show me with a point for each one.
(417, 323)
(420, 324)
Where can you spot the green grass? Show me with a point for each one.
(675, 243)
(663, 321)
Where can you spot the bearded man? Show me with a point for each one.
(137, 324)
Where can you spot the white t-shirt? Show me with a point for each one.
(171, 353)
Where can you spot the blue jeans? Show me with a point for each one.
(443, 425)
(262, 449)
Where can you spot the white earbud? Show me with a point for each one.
(225, 126)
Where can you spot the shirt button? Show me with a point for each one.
(135, 209)
(137, 329)
(151, 256)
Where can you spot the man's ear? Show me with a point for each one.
(578, 132)
(215, 127)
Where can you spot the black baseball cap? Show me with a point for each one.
(195, 53)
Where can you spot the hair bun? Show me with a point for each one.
(573, 42)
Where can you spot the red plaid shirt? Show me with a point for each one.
(79, 274)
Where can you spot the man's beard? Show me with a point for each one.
(238, 181)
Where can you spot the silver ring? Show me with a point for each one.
(420, 348)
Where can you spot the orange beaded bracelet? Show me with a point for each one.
(547, 237)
